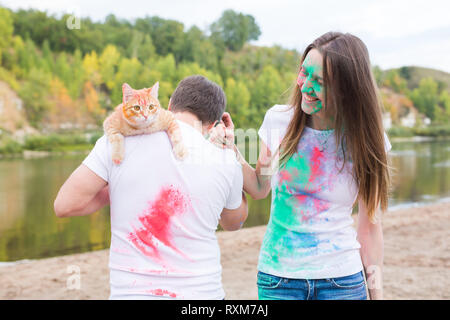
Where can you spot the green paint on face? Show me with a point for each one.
(312, 84)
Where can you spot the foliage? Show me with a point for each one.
(76, 76)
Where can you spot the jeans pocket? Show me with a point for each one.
(349, 282)
(268, 281)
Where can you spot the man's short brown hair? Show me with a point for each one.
(200, 96)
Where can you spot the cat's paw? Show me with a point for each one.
(180, 152)
(117, 158)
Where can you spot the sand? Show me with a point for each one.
(416, 265)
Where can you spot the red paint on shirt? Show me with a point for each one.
(320, 205)
(161, 292)
(316, 158)
(301, 197)
(285, 176)
(156, 222)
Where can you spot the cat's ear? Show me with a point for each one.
(154, 90)
(127, 92)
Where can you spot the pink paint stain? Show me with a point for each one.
(320, 205)
(316, 169)
(285, 176)
(156, 222)
(162, 293)
(301, 198)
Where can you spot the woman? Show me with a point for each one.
(331, 150)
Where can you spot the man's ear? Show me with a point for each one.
(210, 126)
(168, 107)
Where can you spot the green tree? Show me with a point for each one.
(266, 91)
(6, 30)
(238, 99)
(167, 35)
(167, 67)
(75, 86)
(109, 60)
(28, 57)
(444, 101)
(393, 80)
(130, 71)
(235, 29)
(63, 69)
(141, 46)
(34, 93)
(426, 97)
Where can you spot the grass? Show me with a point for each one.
(431, 131)
(64, 143)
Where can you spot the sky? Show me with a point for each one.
(396, 32)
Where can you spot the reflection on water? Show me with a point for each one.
(28, 226)
(29, 229)
(424, 175)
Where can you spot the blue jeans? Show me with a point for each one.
(350, 287)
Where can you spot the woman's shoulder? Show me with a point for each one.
(279, 115)
(280, 108)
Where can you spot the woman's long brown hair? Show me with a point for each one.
(351, 98)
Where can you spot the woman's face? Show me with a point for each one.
(310, 81)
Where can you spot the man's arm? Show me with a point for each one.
(83, 193)
(231, 220)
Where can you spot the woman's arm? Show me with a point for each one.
(256, 181)
(370, 236)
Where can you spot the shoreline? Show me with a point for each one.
(31, 154)
(416, 248)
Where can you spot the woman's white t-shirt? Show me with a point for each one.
(310, 233)
(164, 214)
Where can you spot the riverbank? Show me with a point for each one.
(39, 145)
(417, 262)
(46, 145)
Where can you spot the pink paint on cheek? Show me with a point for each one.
(301, 80)
(156, 222)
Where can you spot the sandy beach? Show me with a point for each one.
(416, 265)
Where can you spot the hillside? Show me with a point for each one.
(413, 75)
(69, 80)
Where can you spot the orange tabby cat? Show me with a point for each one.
(141, 113)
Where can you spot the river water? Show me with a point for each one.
(30, 230)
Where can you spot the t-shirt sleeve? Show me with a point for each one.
(235, 197)
(99, 160)
(274, 126)
(387, 143)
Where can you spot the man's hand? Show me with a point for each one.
(222, 135)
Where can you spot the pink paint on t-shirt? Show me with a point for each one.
(156, 221)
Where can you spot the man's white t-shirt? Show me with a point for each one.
(164, 214)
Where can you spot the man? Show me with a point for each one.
(164, 212)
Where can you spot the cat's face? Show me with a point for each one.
(140, 107)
